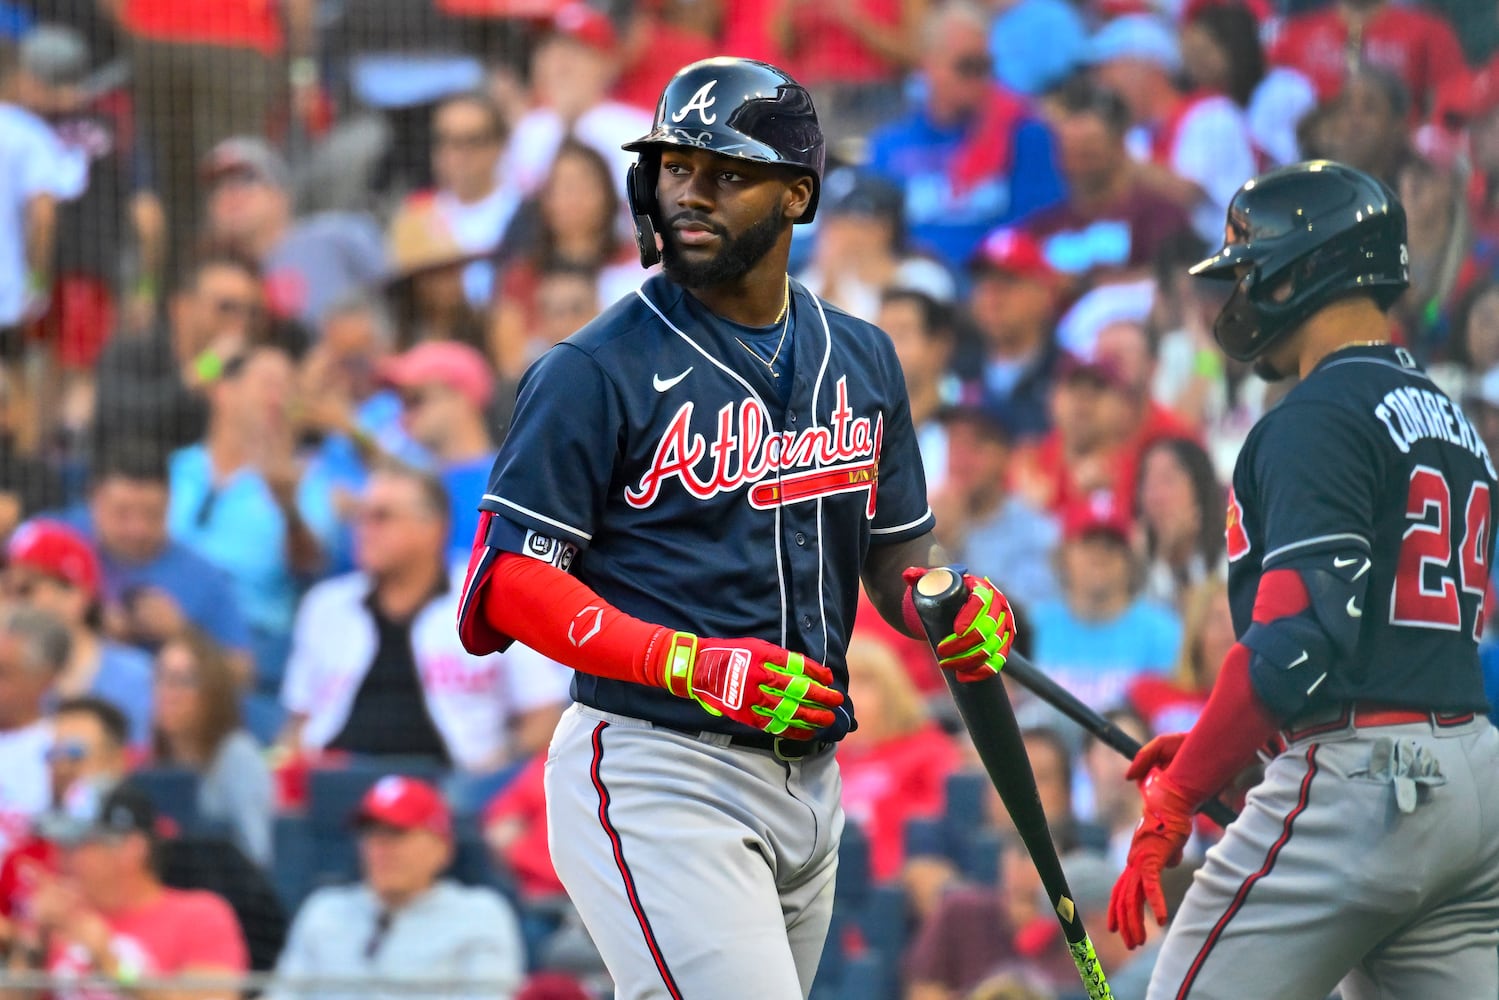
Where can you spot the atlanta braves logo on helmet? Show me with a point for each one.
(780, 468)
(701, 102)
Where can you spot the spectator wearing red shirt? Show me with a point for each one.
(1416, 44)
(1110, 222)
(1194, 147)
(1476, 103)
(109, 914)
(896, 764)
(688, 29)
(515, 829)
(1367, 125)
(202, 72)
(1169, 703)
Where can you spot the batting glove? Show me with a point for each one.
(982, 633)
(1164, 828)
(1156, 755)
(753, 682)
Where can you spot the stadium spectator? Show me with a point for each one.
(981, 520)
(688, 29)
(572, 221)
(108, 913)
(1366, 127)
(53, 568)
(567, 299)
(1443, 265)
(573, 67)
(1179, 500)
(445, 392)
(971, 156)
(1476, 346)
(1035, 44)
(922, 331)
(985, 930)
(376, 668)
(1102, 633)
(468, 136)
(1221, 53)
(88, 746)
(240, 500)
(425, 280)
(33, 649)
(1481, 113)
(860, 238)
(851, 55)
(308, 262)
(1088, 447)
(154, 587)
(515, 831)
(197, 727)
(1103, 797)
(1172, 704)
(896, 764)
(1013, 303)
(403, 922)
(1410, 41)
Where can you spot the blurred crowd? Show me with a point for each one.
(270, 273)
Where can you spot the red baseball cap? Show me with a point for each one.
(1098, 513)
(1104, 370)
(406, 804)
(457, 366)
(1014, 252)
(55, 549)
(582, 23)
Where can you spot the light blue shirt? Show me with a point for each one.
(237, 526)
(1097, 660)
(1014, 547)
(1036, 44)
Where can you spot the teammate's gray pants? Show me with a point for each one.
(1326, 876)
(702, 871)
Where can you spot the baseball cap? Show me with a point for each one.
(1102, 371)
(406, 804)
(1135, 36)
(53, 548)
(990, 417)
(585, 25)
(1014, 252)
(457, 366)
(926, 277)
(848, 191)
(55, 54)
(1099, 513)
(95, 809)
(246, 154)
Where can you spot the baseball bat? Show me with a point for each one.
(986, 711)
(1025, 673)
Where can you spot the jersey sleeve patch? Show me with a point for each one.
(552, 551)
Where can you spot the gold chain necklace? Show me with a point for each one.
(785, 319)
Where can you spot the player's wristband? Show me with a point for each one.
(680, 656)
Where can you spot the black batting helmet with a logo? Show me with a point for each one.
(1298, 238)
(739, 108)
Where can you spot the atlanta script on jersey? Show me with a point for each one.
(654, 455)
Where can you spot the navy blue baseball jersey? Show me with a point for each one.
(652, 455)
(1368, 457)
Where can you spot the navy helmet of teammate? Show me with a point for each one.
(720, 454)
(1359, 538)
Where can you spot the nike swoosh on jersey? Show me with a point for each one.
(1340, 562)
(1299, 660)
(1354, 611)
(663, 384)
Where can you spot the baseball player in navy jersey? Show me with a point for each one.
(1359, 536)
(693, 488)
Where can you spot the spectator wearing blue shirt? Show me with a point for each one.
(240, 500)
(51, 567)
(1102, 634)
(972, 156)
(1036, 44)
(155, 586)
(445, 389)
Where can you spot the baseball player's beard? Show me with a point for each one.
(736, 256)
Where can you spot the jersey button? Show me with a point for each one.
(791, 419)
(807, 622)
(801, 539)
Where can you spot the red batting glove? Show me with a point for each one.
(753, 682)
(1156, 755)
(1163, 830)
(982, 633)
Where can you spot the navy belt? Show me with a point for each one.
(783, 748)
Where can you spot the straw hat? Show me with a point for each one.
(419, 241)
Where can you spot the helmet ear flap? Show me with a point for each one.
(640, 188)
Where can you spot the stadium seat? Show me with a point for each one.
(979, 858)
(867, 977)
(967, 793)
(853, 867)
(291, 838)
(173, 791)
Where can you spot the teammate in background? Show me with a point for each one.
(1359, 533)
(719, 454)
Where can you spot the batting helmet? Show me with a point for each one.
(1309, 233)
(739, 108)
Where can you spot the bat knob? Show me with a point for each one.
(938, 583)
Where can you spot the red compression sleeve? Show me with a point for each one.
(561, 618)
(1231, 728)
